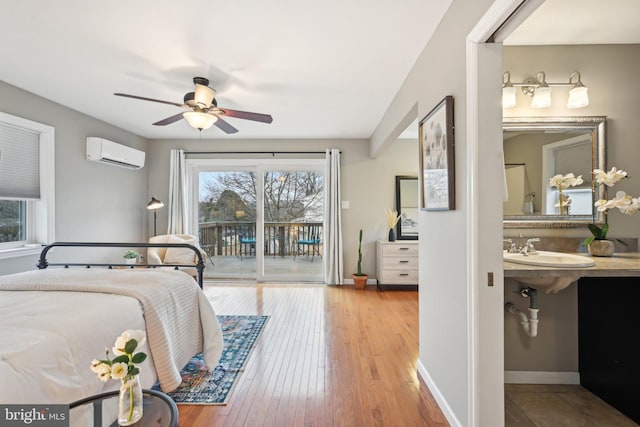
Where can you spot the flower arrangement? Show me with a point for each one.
(392, 217)
(123, 367)
(622, 201)
(562, 182)
(130, 255)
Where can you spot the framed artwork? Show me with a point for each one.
(437, 171)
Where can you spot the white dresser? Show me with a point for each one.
(397, 262)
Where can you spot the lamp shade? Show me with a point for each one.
(508, 97)
(578, 97)
(154, 204)
(541, 97)
(199, 120)
(203, 95)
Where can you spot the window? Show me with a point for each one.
(26, 184)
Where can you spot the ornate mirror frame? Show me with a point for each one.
(596, 126)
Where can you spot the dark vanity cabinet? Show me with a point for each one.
(609, 340)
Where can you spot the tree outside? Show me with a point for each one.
(288, 196)
(12, 220)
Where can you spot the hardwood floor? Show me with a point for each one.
(328, 356)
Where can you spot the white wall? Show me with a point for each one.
(93, 202)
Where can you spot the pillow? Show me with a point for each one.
(180, 255)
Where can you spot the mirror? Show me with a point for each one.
(407, 207)
(538, 148)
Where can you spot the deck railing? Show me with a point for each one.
(233, 238)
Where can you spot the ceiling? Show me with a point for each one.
(322, 69)
(567, 22)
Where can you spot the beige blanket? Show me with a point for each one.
(180, 321)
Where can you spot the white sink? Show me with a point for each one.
(550, 284)
(550, 259)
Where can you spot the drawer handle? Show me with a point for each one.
(404, 261)
(404, 274)
(403, 249)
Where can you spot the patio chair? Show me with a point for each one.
(247, 242)
(310, 245)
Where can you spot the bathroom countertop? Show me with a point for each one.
(623, 264)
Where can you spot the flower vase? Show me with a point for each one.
(130, 402)
(601, 248)
(392, 235)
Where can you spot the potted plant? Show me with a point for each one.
(360, 279)
(130, 257)
(598, 243)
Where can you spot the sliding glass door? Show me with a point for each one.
(260, 219)
(293, 208)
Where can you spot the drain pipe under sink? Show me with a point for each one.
(530, 324)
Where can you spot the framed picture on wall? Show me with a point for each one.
(437, 171)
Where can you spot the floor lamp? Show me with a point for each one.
(154, 205)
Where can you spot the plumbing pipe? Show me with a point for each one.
(529, 324)
(533, 295)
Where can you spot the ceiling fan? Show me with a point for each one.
(203, 111)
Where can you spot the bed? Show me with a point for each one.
(55, 321)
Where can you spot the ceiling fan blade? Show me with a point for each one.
(225, 126)
(169, 120)
(257, 117)
(148, 99)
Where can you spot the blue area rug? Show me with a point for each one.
(201, 387)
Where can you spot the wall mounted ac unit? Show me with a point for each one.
(112, 153)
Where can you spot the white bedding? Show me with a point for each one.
(48, 338)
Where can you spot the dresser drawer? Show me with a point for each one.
(399, 263)
(399, 277)
(400, 250)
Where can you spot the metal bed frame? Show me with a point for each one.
(199, 266)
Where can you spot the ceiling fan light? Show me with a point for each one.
(204, 96)
(199, 120)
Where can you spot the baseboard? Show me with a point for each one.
(541, 377)
(437, 395)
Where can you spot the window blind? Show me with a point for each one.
(19, 163)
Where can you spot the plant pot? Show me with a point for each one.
(360, 282)
(130, 260)
(601, 248)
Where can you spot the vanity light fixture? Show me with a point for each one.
(578, 96)
(539, 89)
(508, 91)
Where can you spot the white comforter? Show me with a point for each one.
(49, 337)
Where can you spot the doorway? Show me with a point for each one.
(261, 219)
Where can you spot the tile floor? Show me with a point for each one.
(542, 405)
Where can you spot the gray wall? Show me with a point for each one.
(93, 202)
(368, 184)
(444, 236)
(608, 72)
